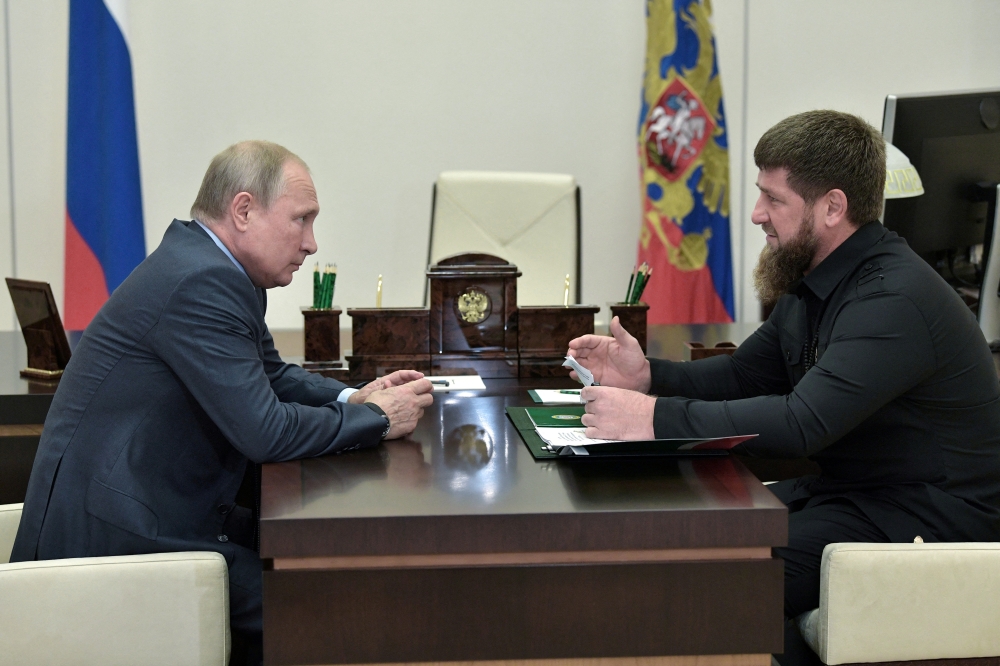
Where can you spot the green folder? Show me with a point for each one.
(564, 416)
(526, 428)
(528, 419)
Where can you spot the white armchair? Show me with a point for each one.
(139, 610)
(903, 601)
(530, 219)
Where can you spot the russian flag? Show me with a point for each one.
(104, 233)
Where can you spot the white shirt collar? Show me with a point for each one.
(211, 234)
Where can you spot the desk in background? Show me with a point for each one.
(23, 406)
(22, 401)
(456, 545)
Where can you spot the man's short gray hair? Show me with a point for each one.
(255, 167)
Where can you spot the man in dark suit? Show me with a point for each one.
(175, 393)
(870, 364)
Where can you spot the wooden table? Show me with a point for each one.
(456, 545)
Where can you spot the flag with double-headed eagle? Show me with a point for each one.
(684, 164)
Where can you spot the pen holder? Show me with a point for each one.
(632, 319)
(322, 336)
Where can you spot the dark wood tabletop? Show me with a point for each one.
(465, 483)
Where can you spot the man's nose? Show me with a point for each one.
(759, 215)
(309, 241)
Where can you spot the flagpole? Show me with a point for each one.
(10, 143)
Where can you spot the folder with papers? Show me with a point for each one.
(556, 432)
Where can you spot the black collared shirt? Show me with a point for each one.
(874, 368)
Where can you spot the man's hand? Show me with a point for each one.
(404, 405)
(615, 361)
(614, 413)
(397, 378)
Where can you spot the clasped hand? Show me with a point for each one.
(402, 395)
(618, 408)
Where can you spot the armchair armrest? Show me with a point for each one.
(10, 518)
(906, 601)
(164, 608)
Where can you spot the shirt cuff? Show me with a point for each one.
(345, 394)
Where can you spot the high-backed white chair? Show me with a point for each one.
(530, 219)
(896, 602)
(136, 610)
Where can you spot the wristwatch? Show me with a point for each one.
(378, 410)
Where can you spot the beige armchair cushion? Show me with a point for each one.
(137, 610)
(899, 602)
(10, 517)
(529, 219)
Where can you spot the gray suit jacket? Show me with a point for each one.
(173, 387)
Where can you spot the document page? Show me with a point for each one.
(560, 437)
(457, 383)
(557, 397)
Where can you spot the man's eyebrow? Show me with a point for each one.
(766, 191)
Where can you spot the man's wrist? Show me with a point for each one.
(381, 412)
(645, 378)
(656, 404)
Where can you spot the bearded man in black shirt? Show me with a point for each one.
(870, 365)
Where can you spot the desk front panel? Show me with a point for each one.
(434, 614)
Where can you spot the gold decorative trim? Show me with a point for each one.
(35, 373)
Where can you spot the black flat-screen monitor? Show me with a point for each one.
(953, 140)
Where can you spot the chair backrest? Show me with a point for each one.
(10, 518)
(530, 219)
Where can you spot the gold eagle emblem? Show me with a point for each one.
(473, 306)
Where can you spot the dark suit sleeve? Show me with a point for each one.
(293, 384)
(756, 368)
(880, 346)
(205, 335)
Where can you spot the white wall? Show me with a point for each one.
(378, 97)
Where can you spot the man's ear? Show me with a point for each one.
(240, 210)
(836, 208)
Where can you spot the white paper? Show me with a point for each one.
(554, 397)
(586, 376)
(557, 438)
(457, 383)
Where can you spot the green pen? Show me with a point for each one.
(333, 285)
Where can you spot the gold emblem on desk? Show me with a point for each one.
(473, 306)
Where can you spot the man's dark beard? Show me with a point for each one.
(779, 267)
